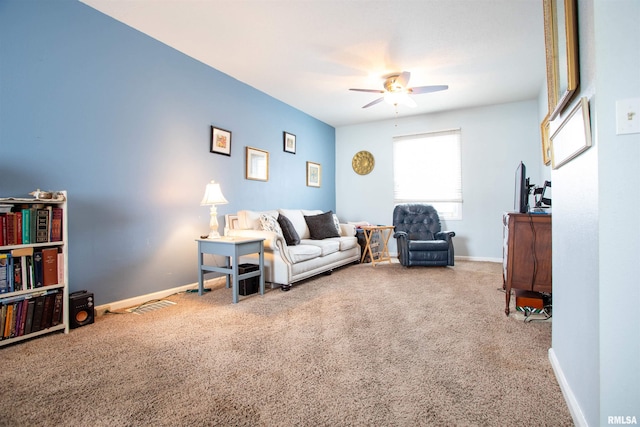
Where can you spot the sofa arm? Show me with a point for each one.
(270, 238)
(273, 242)
(347, 230)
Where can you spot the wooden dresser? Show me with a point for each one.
(526, 253)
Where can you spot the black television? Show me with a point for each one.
(521, 192)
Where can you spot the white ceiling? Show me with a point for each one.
(308, 53)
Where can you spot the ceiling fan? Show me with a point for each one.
(396, 90)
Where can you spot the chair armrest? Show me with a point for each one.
(400, 234)
(444, 235)
(402, 243)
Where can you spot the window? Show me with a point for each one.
(427, 169)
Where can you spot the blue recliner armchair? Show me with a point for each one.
(419, 236)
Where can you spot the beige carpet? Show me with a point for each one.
(365, 346)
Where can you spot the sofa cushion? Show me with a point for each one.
(270, 223)
(288, 230)
(297, 219)
(327, 246)
(322, 226)
(301, 253)
(250, 220)
(347, 242)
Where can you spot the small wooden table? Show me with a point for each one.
(383, 253)
(231, 248)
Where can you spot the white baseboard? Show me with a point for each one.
(141, 299)
(576, 413)
(475, 258)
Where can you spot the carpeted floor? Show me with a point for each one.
(365, 346)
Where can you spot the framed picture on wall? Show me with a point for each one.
(289, 142)
(573, 135)
(257, 164)
(546, 145)
(220, 141)
(314, 174)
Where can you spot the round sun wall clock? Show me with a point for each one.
(363, 162)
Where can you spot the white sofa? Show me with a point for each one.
(285, 264)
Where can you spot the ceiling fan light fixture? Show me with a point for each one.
(396, 90)
(396, 98)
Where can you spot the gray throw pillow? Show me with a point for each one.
(322, 226)
(288, 231)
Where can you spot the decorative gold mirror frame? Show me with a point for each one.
(561, 48)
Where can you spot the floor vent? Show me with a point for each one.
(156, 305)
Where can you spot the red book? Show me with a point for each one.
(56, 224)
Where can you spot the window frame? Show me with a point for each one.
(415, 151)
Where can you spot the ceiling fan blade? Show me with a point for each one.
(368, 90)
(403, 78)
(427, 89)
(373, 102)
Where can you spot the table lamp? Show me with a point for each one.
(212, 197)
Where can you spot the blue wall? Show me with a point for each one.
(122, 122)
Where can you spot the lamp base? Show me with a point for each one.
(213, 223)
(214, 235)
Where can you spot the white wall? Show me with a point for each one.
(618, 77)
(494, 140)
(596, 228)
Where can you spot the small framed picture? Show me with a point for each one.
(289, 141)
(220, 141)
(257, 166)
(314, 174)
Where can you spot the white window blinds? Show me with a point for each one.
(427, 168)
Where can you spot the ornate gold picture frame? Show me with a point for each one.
(561, 47)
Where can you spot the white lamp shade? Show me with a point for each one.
(395, 98)
(213, 195)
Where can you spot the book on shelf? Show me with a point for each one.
(24, 314)
(22, 320)
(37, 313)
(56, 224)
(22, 268)
(5, 273)
(18, 217)
(16, 265)
(10, 229)
(3, 318)
(42, 225)
(3, 229)
(8, 321)
(38, 269)
(47, 311)
(29, 322)
(61, 268)
(26, 226)
(56, 317)
(50, 266)
(29, 283)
